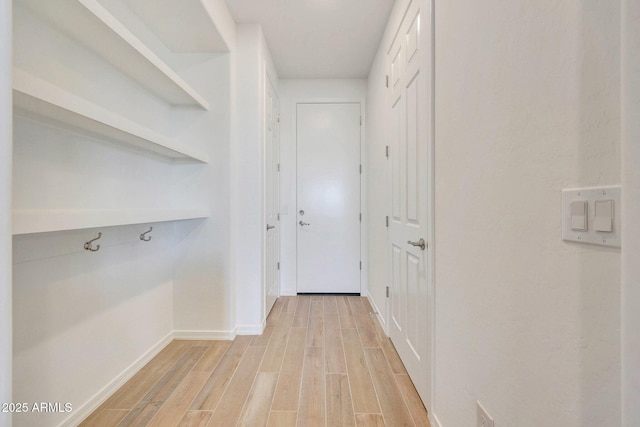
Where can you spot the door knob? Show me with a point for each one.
(302, 224)
(269, 227)
(420, 243)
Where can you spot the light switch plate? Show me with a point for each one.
(592, 196)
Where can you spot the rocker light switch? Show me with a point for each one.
(603, 220)
(579, 215)
(589, 215)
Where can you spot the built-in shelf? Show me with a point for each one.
(184, 26)
(44, 221)
(33, 96)
(91, 24)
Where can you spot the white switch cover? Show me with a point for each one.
(578, 212)
(604, 216)
(601, 207)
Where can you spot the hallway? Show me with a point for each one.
(322, 360)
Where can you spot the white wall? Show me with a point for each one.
(631, 212)
(203, 288)
(254, 63)
(5, 208)
(292, 91)
(527, 103)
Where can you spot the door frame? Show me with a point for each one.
(363, 176)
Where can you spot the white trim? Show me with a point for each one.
(433, 419)
(381, 317)
(205, 335)
(432, 211)
(251, 329)
(99, 398)
(364, 241)
(288, 292)
(268, 83)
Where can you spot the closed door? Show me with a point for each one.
(410, 299)
(272, 198)
(328, 197)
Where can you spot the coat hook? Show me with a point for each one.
(88, 246)
(143, 235)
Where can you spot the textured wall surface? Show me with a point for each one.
(5, 208)
(527, 103)
(631, 212)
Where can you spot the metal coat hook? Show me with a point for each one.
(143, 235)
(88, 247)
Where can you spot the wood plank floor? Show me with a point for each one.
(321, 361)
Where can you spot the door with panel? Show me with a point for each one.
(409, 100)
(328, 197)
(272, 196)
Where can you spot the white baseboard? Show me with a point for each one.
(250, 329)
(434, 420)
(99, 398)
(288, 292)
(205, 335)
(381, 318)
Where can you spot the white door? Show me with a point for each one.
(328, 197)
(272, 197)
(410, 296)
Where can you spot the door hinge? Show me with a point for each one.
(386, 80)
(386, 151)
(386, 221)
(278, 265)
(360, 120)
(360, 217)
(360, 265)
(387, 292)
(278, 167)
(278, 118)
(361, 169)
(278, 217)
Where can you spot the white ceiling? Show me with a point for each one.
(318, 38)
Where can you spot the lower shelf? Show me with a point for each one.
(45, 221)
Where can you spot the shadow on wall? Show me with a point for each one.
(58, 285)
(599, 163)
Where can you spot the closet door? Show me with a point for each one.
(410, 265)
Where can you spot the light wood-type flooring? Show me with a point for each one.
(321, 361)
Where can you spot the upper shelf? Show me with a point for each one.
(184, 26)
(92, 25)
(43, 99)
(45, 221)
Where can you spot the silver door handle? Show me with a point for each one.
(270, 227)
(302, 224)
(420, 243)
